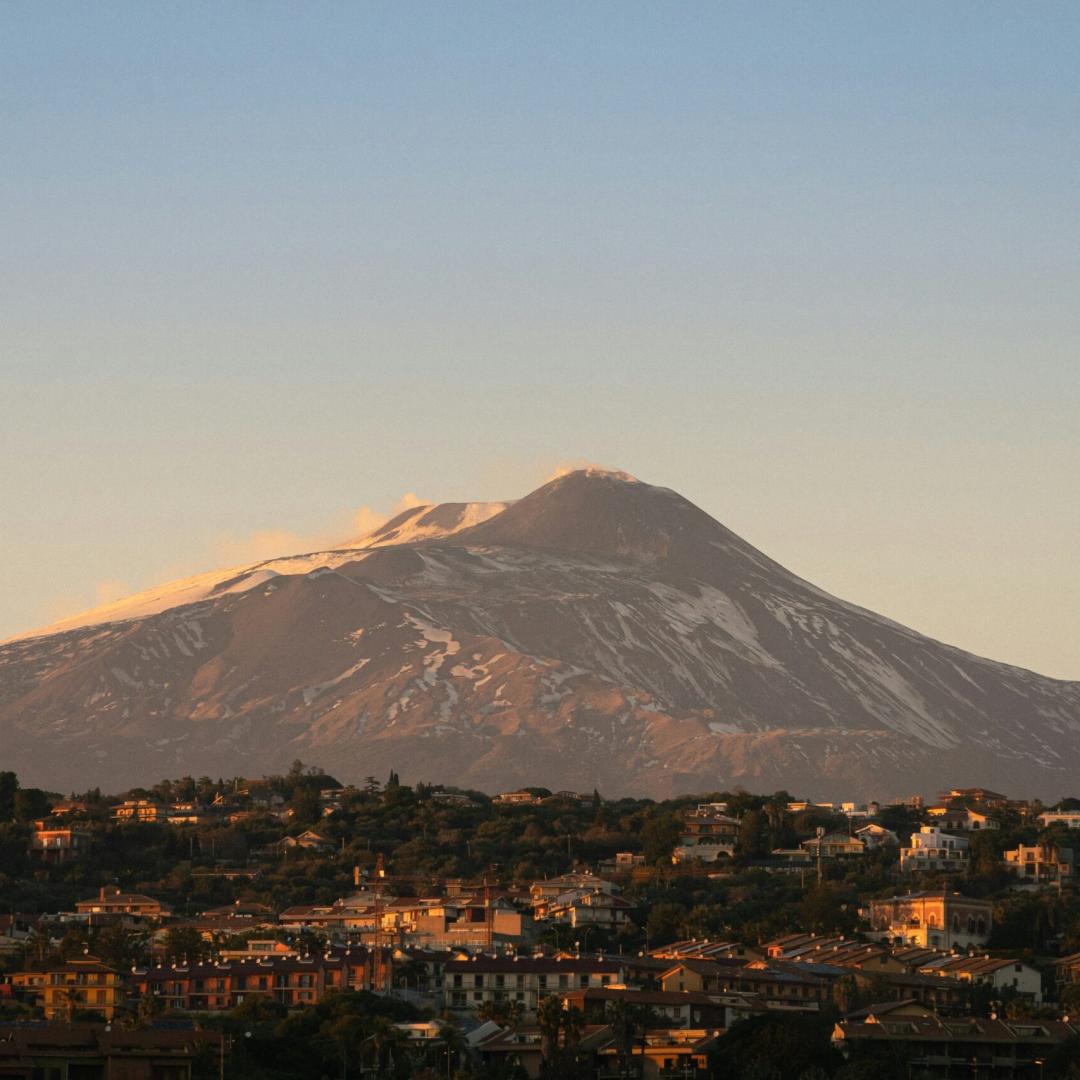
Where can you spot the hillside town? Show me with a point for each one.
(289, 925)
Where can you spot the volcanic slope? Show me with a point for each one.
(600, 632)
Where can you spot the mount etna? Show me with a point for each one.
(599, 632)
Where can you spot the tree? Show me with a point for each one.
(659, 835)
(775, 1046)
(30, 803)
(753, 834)
(9, 784)
(305, 806)
(184, 943)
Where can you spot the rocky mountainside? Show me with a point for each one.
(598, 632)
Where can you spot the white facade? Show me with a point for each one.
(931, 849)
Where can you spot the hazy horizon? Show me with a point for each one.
(269, 273)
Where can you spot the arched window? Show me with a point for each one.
(956, 924)
(931, 921)
(982, 925)
(971, 924)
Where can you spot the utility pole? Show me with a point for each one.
(489, 918)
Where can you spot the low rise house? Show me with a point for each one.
(985, 970)
(460, 921)
(660, 1052)
(521, 1047)
(139, 811)
(704, 949)
(111, 901)
(708, 834)
(623, 862)
(543, 893)
(1067, 971)
(768, 980)
(961, 818)
(1069, 818)
(595, 908)
(977, 796)
(931, 849)
(675, 1009)
(516, 798)
(833, 846)
(935, 919)
(877, 836)
(55, 841)
(190, 813)
(308, 840)
(259, 949)
(1040, 864)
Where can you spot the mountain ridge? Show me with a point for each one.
(599, 631)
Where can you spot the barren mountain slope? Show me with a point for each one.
(598, 632)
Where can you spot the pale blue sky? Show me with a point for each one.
(815, 265)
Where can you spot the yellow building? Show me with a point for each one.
(937, 919)
(82, 985)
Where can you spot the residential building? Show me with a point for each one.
(768, 980)
(961, 818)
(464, 921)
(190, 813)
(590, 908)
(680, 1009)
(139, 811)
(468, 984)
(708, 834)
(1040, 864)
(938, 1047)
(516, 798)
(308, 840)
(88, 1051)
(82, 985)
(543, 893)
(623, 862)
(57, 841)
(997, 972)
(1067, 970)
(936, 919)
(259, 949)
(979, 796)
(1069, 818)
(289, 980)
(931, 849)
(833, 846)
(877, 836)
(110, 901)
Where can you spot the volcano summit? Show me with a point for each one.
(599, 632)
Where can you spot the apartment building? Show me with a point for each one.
(468, 984)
